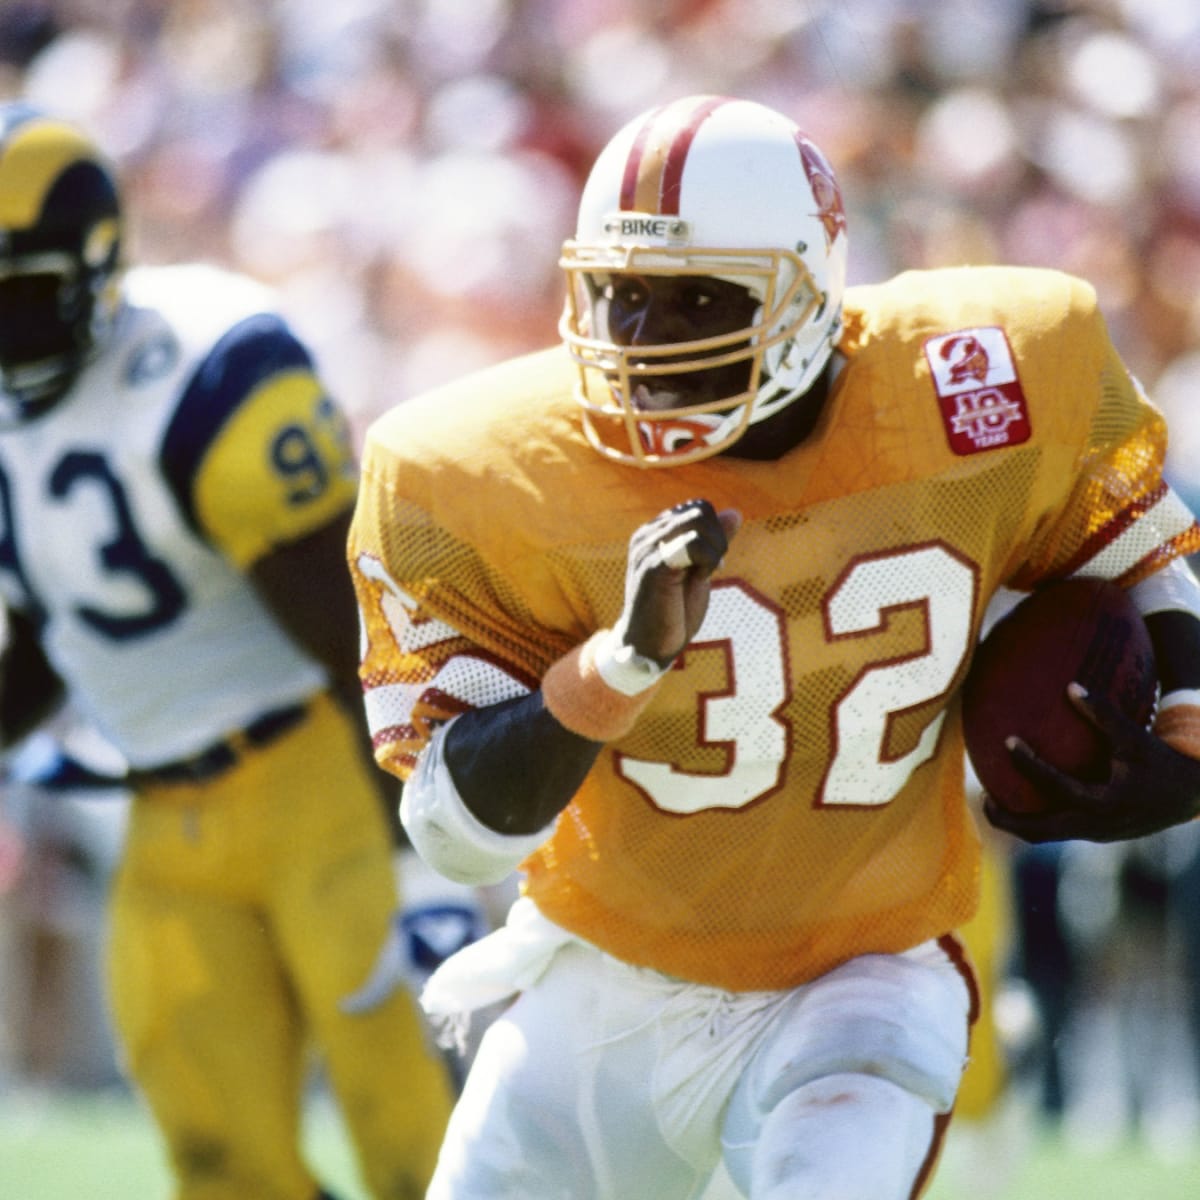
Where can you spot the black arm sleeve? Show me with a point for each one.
(515, 767)
(1176, 639)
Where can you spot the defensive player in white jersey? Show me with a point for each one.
(175, 491)
(675, 616)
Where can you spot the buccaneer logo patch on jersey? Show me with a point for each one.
(977, 387)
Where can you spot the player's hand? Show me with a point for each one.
(668, 577)
(1150, 786)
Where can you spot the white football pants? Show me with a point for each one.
(605, 1081)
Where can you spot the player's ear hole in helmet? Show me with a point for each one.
(60, 249)
(706, 187)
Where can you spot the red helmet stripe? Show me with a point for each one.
(633, 164)
(654, 169)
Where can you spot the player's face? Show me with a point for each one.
(657, 310)
(30, 326)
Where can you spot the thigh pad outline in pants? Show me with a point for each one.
(902, 1018)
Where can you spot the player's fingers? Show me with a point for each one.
(1026, 761)
(670, 523)
(700, 547)
(1049, 780)
(1094, 709)
(675, 552)
(1121, 731)
(691, 535)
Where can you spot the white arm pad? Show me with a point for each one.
(1174, 588)
(447, 835)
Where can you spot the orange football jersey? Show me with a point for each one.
(793, 794)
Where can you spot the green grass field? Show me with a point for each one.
(102, 1148)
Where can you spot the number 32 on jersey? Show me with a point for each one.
(746, 719)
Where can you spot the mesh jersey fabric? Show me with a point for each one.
(793, 795)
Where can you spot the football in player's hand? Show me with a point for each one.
(1082, 630)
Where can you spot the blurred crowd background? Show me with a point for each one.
(404, 172)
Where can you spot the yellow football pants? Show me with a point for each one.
(245, 908)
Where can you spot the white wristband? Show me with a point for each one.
(622, 668)
(1174, 588)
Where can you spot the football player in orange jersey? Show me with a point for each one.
(674, 617)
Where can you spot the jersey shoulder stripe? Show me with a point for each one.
(253, 350)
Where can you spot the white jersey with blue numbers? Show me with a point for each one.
(197, 441)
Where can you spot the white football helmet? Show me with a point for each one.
(706, 186)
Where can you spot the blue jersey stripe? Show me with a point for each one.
(250, 353)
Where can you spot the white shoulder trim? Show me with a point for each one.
(447, 835)
(1165, 519)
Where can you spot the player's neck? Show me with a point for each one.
(777, 435)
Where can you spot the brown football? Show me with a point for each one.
(1083, 630)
